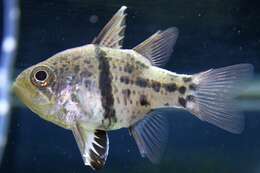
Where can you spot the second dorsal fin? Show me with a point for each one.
(112, 34)
(159, 47)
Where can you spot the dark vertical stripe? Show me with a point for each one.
(105, 86)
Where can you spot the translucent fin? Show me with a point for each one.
(214, 92)
(112, 34)
(151, 136)
(159, 47)
(93, 145)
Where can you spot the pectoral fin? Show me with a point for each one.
(151, 136)
(93, 145)
(112, 34)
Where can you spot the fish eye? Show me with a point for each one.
(41, 76)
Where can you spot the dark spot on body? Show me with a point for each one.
(171, 87)
(192, 86)
(127, 92)
(114, 66)
(144, 101)
(73, 77)
(186, 79)
(74, 98)
(128, 68)
(86, 61)
(141, 82)
(156, 86)
(87, 83)
(85, 73)
(76, 58)
(182, 89)
(190, 98)
(140, 64)
(76, 69)
(182, 101)
(166, 104)
(126, 95)
(124, 79)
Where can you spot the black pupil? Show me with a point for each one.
(41, 75)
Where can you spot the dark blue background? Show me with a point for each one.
(213, 33)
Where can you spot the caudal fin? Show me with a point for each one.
(212, 96)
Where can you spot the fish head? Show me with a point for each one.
(34, 87)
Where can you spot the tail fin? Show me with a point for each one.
(213, 93)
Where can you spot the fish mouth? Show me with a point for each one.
(21, 93)
(26, 98)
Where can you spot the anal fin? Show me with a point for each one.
(151, 135)
(93, 145)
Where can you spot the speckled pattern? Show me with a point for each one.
(110, 88)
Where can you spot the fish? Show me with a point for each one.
(100, 87)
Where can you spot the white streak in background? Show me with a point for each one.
(9, 44)
(14, 13)
(8, 52)
(3, 78)
(4, 107)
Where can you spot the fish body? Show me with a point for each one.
(123, 79)
(100, 87)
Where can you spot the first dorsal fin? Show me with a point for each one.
(112, 34)
(159, 47)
